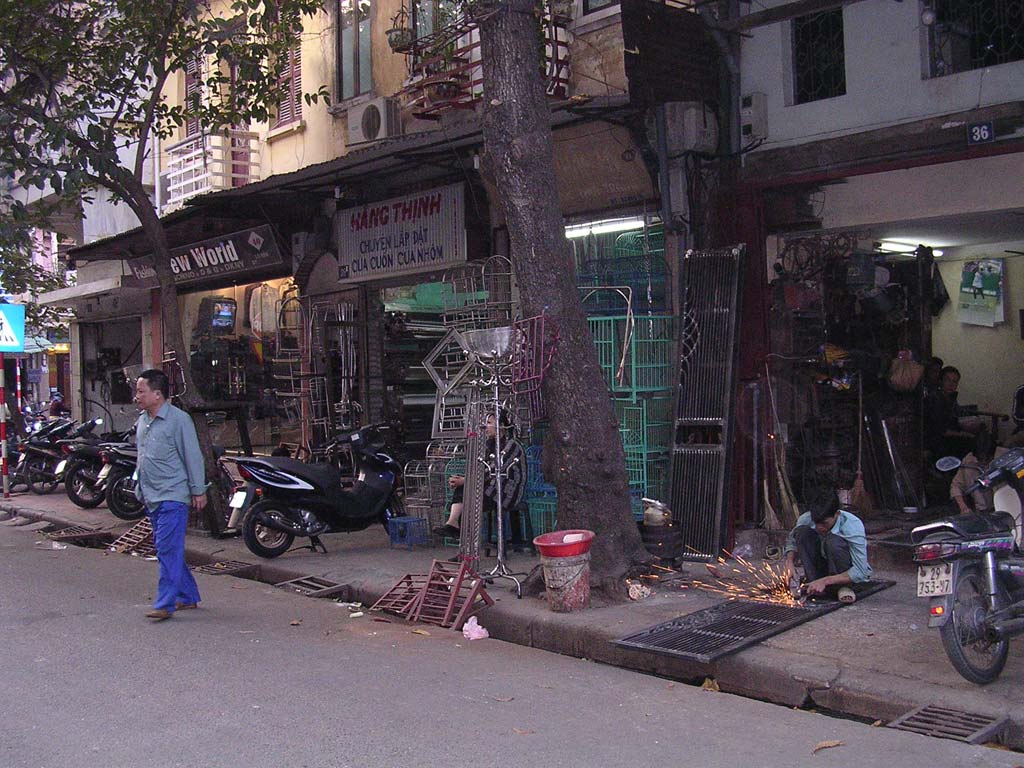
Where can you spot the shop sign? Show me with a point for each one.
(12, 327)
(415, 233)
(250, 250)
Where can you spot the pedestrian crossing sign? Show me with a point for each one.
(12, 327)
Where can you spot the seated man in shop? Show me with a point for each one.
(513, 483)
(974, 464)
(945, 433)
(832, 547)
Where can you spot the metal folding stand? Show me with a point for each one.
(492, 353)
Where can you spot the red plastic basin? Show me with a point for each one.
(554, 544)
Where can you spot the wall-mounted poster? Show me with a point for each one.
(981, 292)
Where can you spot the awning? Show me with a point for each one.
(34, 344)
(76, 294)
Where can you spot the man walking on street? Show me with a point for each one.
(170, 476)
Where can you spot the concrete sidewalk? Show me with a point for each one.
(876, 659)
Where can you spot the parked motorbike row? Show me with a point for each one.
(93, 468)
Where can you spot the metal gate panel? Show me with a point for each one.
(696, 480)
(702, 452)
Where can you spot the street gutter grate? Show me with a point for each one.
(944, 723)
(224, 567)
(76, 532)
(313, 586)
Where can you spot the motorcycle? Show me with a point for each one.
(40, 453)
(83, 462)
(308, 500)
(971, 570)
(116, 480)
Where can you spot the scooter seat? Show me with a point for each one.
(320, 475)
(975, 525)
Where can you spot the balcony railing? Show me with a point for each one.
(201, 164)
(447, 71)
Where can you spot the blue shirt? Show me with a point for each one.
(170, 461)
(850, 528)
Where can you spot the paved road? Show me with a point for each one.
(87, 681)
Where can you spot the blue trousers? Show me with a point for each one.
(176, 584)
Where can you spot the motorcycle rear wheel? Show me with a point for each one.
(40, 475)
(78, 488)
(976, 658)
(263, 540)
(120, 495)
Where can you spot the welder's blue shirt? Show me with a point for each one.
(170, 464)
(848, 527)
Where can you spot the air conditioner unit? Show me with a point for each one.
(374, 120)
(753, 117)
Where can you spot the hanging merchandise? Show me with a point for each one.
(261, 302)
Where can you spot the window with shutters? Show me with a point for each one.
(289, 108)
(355, 70)
(193, 94)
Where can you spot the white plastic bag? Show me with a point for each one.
(472, 630)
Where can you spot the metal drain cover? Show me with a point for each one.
(223, 567)
(723, 629)
(945, 723)
(313, 586)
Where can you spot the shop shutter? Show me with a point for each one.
(193, 92)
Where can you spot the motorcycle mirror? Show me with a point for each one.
(948, 464)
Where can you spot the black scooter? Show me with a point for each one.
(81, 468)
(309, 499)
(117, 481)
(971, 569)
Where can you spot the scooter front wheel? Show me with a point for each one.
(262, 540)
(80, 489)
(964, 636)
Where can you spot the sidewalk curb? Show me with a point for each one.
(762, 672)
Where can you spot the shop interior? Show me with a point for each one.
(854, 323)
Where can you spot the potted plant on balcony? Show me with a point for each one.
(401, 34)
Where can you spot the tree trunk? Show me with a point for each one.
(170, 322)
(585, 448)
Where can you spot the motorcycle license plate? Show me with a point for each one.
(238, 500)
(934, 580)
(60, 467)
(104, 472)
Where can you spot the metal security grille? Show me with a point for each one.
(973, 34)
(944, 723)
(819, 60)
(723, 629)
(703, 426)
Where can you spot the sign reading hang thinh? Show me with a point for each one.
(421, 232)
